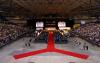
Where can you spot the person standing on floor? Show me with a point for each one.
(85, 47)
(29, 44)
(26, 44)
(30, 40)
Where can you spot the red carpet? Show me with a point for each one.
(82, 56)
(50, 41)
(29, 54)
(51, 48)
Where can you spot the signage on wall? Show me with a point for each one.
(39, 24)
(83, 22)
(61, 24)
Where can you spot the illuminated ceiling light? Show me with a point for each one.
(1, 11)
(17, 17)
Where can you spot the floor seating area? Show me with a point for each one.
(59, 38)
(42, 38)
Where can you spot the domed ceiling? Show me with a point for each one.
(45, 7)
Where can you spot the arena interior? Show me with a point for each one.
(49, 31)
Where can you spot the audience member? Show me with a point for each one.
(9, 32)
(89, 32)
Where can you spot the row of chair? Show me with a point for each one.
(59, 38)
(42, 37)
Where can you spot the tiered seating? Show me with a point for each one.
(42, 38)
(58, 38)
(9, 32)
(89, 32)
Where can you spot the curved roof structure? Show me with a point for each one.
(44, 7)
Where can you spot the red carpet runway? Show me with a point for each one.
(51, 48)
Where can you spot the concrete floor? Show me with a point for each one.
(7, 52)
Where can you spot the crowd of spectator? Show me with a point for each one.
(42, 37)
(89, 32)
(10, 32)
(59, 38)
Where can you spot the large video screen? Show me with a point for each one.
(39, 24)
(61, 24)
(82, 22)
